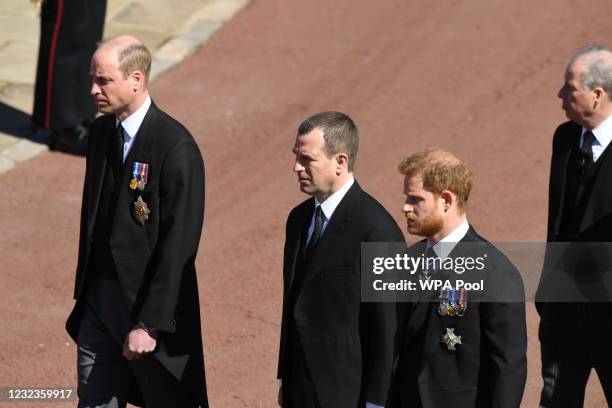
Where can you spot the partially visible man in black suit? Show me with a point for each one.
(457, 348)
(576, 337)
(136, 320)
(335, 351)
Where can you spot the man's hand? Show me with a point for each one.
(139, 342)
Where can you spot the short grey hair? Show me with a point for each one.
(598, 72)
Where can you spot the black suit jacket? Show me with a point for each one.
(489, 368)
(582, 263)
(154, 262)
(348, 345)
(596, 224)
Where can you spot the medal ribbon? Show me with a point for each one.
(144, 172)
(452, 297)
(463, 298)
(136, 170)
(444, 294)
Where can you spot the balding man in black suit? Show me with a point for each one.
(576, 336)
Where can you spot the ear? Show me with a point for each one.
(448, 199)
(599, 94)
(341, 163)
(138, 80)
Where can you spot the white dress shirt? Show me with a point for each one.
(328, 207)
(131, 124)
(444, 247)
(603, 136)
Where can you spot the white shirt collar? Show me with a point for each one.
(448, 243)
(329, 206)
(602, 133)
(132, 123)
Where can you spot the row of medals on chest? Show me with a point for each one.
(140, 174)
(452, 303)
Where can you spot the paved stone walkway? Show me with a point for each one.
(169, 31)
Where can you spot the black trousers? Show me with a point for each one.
(574, 338)
(69, 32)
(107, 380)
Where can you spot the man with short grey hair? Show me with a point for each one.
(576, 337)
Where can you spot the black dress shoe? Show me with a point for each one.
(72, 140)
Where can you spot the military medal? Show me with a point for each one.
(452, 302)
(462, 302)
(450, 339)
(443, 306)
(135, 173)
(141, 211)
(140, 174)
(143, 176)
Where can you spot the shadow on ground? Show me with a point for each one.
(19, 124)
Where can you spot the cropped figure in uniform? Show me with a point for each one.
(69, 33)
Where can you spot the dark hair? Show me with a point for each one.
(339, 133)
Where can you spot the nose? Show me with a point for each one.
(406, 208)
(297, 167)
(95, 89)
(561, 93)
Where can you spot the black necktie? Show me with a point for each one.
(316, 234)
(586, 151)
(118, 151)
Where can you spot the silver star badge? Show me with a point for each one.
(451, 339)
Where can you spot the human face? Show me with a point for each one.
(423, 210)
(317, 174)
(577, 101)
(112, 92)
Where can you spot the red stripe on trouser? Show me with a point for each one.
(56, 28)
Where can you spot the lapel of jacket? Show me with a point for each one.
(140, 152)
(141, 149)
(295, 238)
(418, 310)
(598, 204)
(558, 174)
(101, 142)
(334, 232)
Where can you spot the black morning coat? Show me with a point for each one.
(348, 346)
(155, 262)
(489, 368)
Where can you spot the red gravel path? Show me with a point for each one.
(477, 77)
